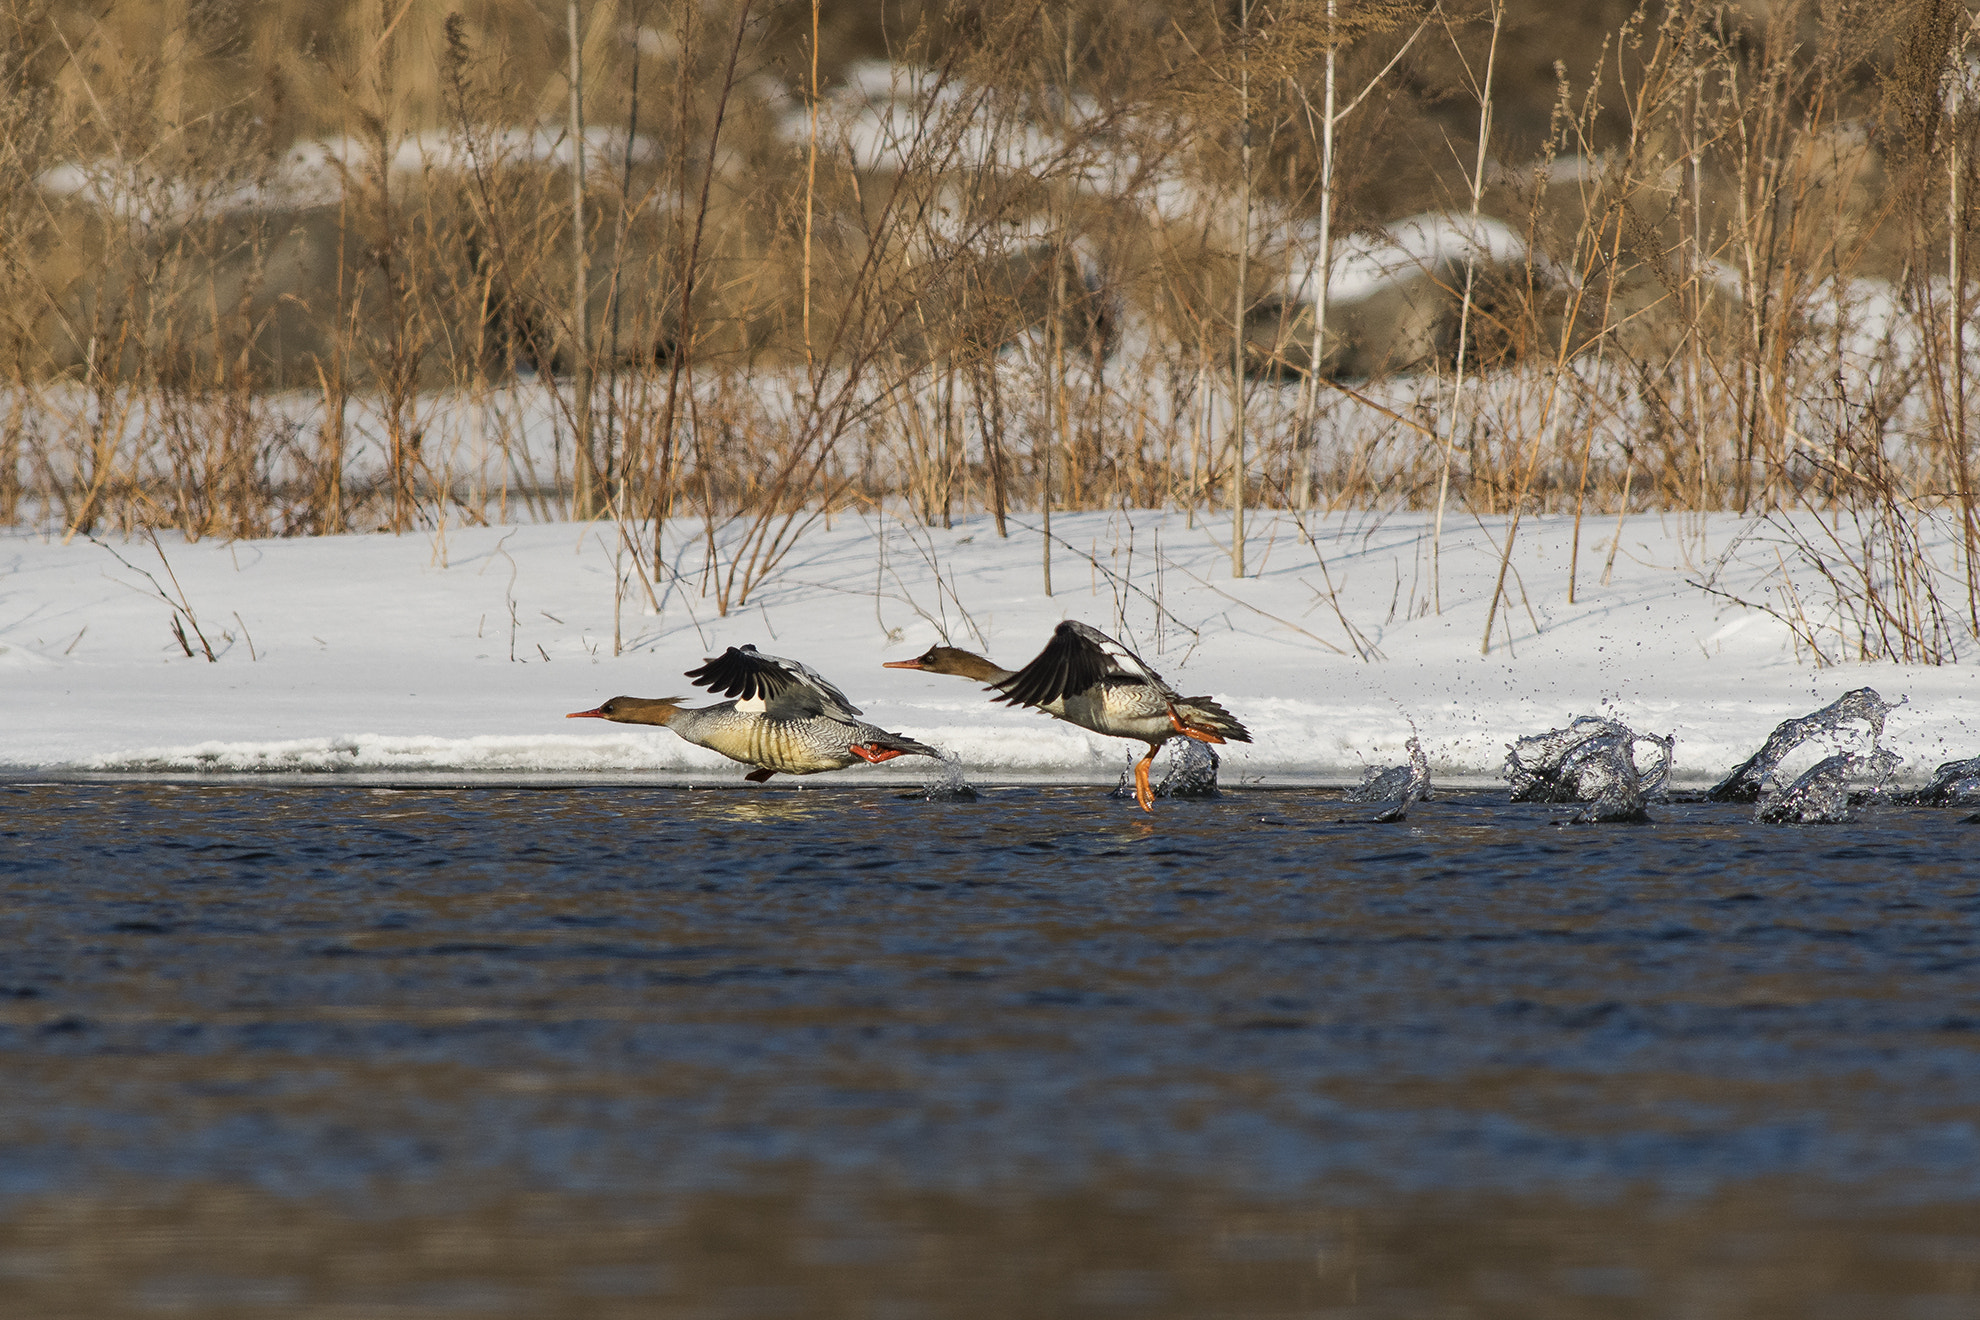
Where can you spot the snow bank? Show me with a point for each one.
(1403, 249)
(463, 651)
(311, 173)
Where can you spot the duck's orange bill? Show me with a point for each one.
(900, 664)
(597, 714)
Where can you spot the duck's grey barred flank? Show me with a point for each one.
(802, 746)
(786, 718)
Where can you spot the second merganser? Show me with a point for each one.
(1085, 677)
(786, 718)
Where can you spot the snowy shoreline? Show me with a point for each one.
(384, 655)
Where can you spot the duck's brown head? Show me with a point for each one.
(952, 660)
(632, 710)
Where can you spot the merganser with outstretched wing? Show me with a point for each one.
(1087, 678)
(785, 719)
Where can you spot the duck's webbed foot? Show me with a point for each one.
(759, 776)
(1142, 792)
(873, 753)
(1190, 731)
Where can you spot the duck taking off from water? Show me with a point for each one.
(1087, 678)
(786, 719)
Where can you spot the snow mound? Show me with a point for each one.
(463, 653)
(1049, 751)
(372, 753)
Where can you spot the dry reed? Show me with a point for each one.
(283, 269)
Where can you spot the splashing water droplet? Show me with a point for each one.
(1861, 706)
(1826, 794)
(1398, 785)
(947, 784)
(1591, 762)
(1954, 784)
(1191, 772)
(1533, 764)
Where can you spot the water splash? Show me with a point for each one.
(1190, 772)
(947, 783)
(1827, 792)
(1603, 772)
(1954, 784)
(1752, 778)
(1398, 785)
(1591, 762)
(1533, 763)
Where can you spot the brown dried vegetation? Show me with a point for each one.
(267, 264)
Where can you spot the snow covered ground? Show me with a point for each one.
(463, 650)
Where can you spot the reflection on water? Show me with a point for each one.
(622, 1051)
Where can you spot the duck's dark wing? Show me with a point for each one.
(785, 688)
(1077, 658)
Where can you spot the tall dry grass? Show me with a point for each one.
(289, 269)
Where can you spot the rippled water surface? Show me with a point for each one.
(322, 1050)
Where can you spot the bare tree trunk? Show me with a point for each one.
(680, 379)
(614, 471)
(584, 495)
(1055, 389)
(1956, 332)
(1243, 302)
(810, 188)
(1322, 272)
(397, 381)
(991, 423)
(330, 513)
(1464, 311)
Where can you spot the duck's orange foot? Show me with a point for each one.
(873, 753)
(1188, 731)
(1143, 793)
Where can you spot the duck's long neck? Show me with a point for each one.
(647, 710)
(719, 726)
(976, 668)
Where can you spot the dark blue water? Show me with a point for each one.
(503, 1050)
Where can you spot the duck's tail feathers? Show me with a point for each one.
(1207, 716)
(899, 743)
